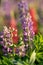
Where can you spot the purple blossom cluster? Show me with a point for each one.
(5, 41)
(30, 26)
(1, 38)
(23, 8)
(26, 21)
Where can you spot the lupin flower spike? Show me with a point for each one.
(5, 41)
(28, 21)
(23, 8)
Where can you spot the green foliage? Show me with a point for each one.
(33, 56)
(38, 43)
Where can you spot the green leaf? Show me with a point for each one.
(32, 57)
(7, 61)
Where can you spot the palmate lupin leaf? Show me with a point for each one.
(39, 47)
(38, 41)
(6, 61)
(40, 55)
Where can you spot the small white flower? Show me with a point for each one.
(23, 49)
(30, 16)
(29, 33)
(24, 16)
(25, 33)
(24, 22)
(9, 27)
(25, 28)
(1, 36)
(20, 53)
(6, 29)
(8, 49)
(27, 19)
(13, 29)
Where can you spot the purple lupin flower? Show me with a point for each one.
(1, 38)
(23, 8)
(7, 6)
(30, 27)
(26, 21)
(7, 41)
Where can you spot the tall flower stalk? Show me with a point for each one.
(26, 21)
(23, 8)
